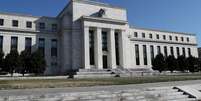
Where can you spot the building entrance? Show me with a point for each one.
(105, 64)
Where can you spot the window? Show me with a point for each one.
(54, 48)
(135, 34)
(164, 37)
(1, 22)
(137, 54)
(189, 52)
(42, 25)
(184, 51)
(178, 53)
(145, 54)
(152, 52)
(143, 35)
(54, 27)
(15, 23)
(104, 41)
(1, 43)
(14, 42)
(170, 37)
(150, 36)
(29, 24)
(187, 39)
(165, 51)
(91, 47)
(41, 46)
(172, 51)
(176, 38)
(182, 38)
(158, 49)
(117, 48)
(157, 36)
(28, 44)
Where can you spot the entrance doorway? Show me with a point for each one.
(105, 66)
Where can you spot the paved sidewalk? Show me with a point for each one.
(96, 88)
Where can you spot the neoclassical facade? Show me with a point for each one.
(91, 35)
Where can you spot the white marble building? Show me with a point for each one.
(91, 35)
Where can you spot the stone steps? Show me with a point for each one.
(153, 94)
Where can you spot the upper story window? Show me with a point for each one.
(42, 25)
(29, 24)
(1, 22)
(164, 37)
(182, 38)
(157, 36)
(104, 41)
(187, 39)
(135, 34)
(143, 35)
(14, 42)
(170, 37)
(54, 48)
(176, 38)
(15, 23)
(150, 36)
(54, 27)
(41, 46)
(28, 44)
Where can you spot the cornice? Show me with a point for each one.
(166, 42)
(165, 31)
(98, 19)
(25, 31)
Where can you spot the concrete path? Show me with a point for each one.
(96, 88)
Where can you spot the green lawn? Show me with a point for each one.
(59, 83)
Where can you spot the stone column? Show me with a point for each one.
(111, 48)
(121, 48)
(86, 59)
(98, 49)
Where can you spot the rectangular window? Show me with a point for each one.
(41, 46)
(104, 41)
(157, 36)
(184, 51)
(189, 52)
(42, 26)
(15, 23)
(54, 27)
(152, 52)
(145, 54)
(170, 37)
(54, 48)
(117, 48)
(1, 43)
(164, 37)
(158, 49)
(182, 38)
(137, 54)
(135, 34)
(178, 53)
(172, 51)
(29, 24)
(1, 22)
(28, 44)
(165, 51)
(91, 47)
(176, 38)
(150, 36)
(187, 39)
(143, 35)
(14, 42)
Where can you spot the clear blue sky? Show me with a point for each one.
(173, 15)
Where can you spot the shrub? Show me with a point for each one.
(159, 63)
